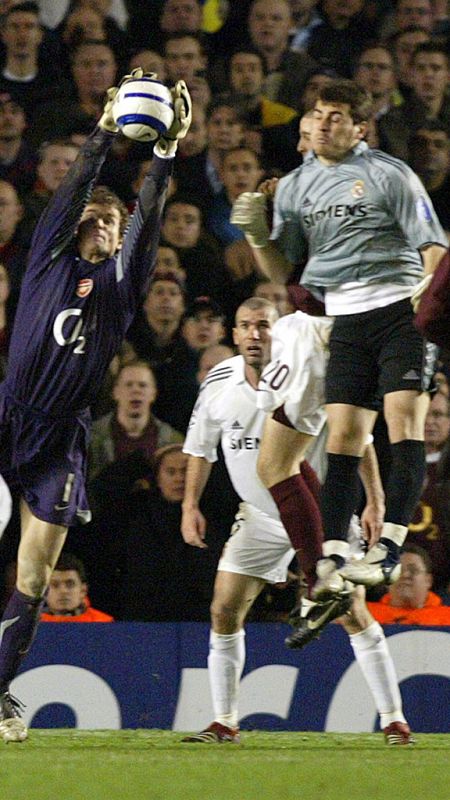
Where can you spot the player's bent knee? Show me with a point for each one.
(32, 586)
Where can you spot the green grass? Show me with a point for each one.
(154, 765)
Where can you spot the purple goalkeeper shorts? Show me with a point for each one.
(44, 456)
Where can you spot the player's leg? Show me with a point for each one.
(293, 486)
(257, 552)
(351, 387)
(311, 621)
(40, 545)
(406, 364)
(234, 595)
(372, 654)
(349, 427)
(405, 414)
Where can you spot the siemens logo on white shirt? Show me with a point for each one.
(246, 443)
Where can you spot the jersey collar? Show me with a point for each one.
(239, 375)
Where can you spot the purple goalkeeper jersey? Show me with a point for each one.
(72, 314)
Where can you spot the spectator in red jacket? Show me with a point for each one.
(67, 599)
(410, 601)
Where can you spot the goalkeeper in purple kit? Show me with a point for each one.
(86, 276)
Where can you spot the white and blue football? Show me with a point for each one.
(143, 109)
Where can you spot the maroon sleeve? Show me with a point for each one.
(433, 316)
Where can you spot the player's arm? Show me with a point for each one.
(373, 514)
(138, 255)
(200, 444)
(414, 212)
(193, 523)
(249, 214)
(431, 257)
(59, 221)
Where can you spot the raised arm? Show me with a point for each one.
(58, 223)
(138, 255)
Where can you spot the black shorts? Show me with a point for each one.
(377, 352)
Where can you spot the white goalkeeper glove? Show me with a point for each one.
(249, 214)
(182, 106)
(106, 121)
(419, 291)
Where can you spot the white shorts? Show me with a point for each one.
(295, 376)
(303, 422)
(258, 546)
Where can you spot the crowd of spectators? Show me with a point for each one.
(253, 67)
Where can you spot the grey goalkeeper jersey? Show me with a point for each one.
(362, 220)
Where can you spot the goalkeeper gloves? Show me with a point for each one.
(419, 291)
(249, 214)
(182, 106)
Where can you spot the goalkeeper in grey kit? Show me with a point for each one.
(373, 241)
(86, 276)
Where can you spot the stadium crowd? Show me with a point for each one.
(253, 69)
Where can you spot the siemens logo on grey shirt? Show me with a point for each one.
(359, 210)
(365, 218)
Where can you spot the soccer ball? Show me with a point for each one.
(143, 109)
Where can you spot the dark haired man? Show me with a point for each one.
(375, 72)
(373, 241)
(428, 101)
(246, 77)
(83, 283)
(269, 26)
(184, 55)
(429, 156)
(53, 161)
(17, 158)
(25, 75)
(132, 427)
(66, 599)
(402, 45)
(78, 104)
(156, 336)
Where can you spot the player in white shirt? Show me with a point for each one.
(259, 550)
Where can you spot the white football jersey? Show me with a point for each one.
(295, 376)
(226, 411)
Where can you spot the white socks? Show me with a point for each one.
(372, 654)
(225, 664)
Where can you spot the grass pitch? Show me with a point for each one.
(154, 765)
